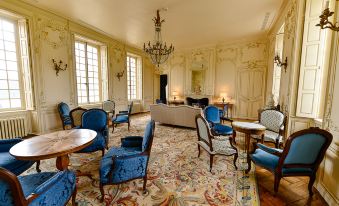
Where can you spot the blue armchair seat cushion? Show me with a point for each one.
(99, 143)
(222, 129)
(9, 162)
(120, 119)
(54, 188)
(107, 163)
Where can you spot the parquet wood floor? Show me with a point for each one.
(292, 191)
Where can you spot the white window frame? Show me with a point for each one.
(102, 69)
(138, 76)
(23, 61)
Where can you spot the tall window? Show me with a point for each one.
(88, 72)
(134, 77)
(15, 79)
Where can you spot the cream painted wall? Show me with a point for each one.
(51, 36)
(237, 68)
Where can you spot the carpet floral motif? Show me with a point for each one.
(176, 176)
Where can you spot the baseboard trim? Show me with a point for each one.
(328, 197)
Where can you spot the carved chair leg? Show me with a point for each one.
(211, 162)
(128, 125)
(235, 160)
(276, 183)
(101, 186)
(37, 166)
(310, 184)
(112, 127)
(102, 152)
(198, 150)
(262, 138)
(233, 136)
(144, 185)
(74, 197)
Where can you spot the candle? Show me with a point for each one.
(327, 4)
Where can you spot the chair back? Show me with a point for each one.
(130, 107)
(272, 119)
(76, 116)
(203, 130)
(94, 119)
(148, 136)
(11, 193)
(212, 114)
(63, 109)
(306, 148)
(203, 102)
(108, 106)
(158, 101)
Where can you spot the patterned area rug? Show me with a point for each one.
(176, 176)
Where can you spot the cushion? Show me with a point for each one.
(270, 136)
(222, 129)
(107, 162)
(131, 141)
(30, 182)
(120, 119)
(9, 162)
(264, 159)
(219, 147)
(99, 143)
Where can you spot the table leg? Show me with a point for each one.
(62, 162)
(247, 145)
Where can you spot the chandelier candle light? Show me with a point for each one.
(158, 52)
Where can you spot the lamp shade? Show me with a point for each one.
(174, 93)
(223, 95)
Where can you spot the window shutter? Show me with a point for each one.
(311, 65)
(104, 75)
(25, 64)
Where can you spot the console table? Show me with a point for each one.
(229, 110)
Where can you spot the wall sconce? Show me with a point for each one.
(324, 22)
(58, 66)
(277, 60)
(120, 74)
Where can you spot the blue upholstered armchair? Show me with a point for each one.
(128, 162)
(212, 115)
(64, 110)
(303, 152)
(123, 117)
(46, 188)
(9, 162)
(96, 119)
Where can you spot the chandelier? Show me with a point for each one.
(158, 51)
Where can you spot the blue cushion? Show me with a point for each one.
(305, 149)
(7, 144)
(264, 159)
(286, 171)
(212, 114)
(120, 119)
(54, 188)
(107, 162)
(222, 129)
(9, 162)
(30, 182)
(99, 143)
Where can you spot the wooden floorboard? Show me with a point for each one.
(292, 191)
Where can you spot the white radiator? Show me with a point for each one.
(14, 127)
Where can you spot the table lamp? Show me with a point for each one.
(174, 93)
(223, 96)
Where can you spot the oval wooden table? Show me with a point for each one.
(248, 128)
(57, 144)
